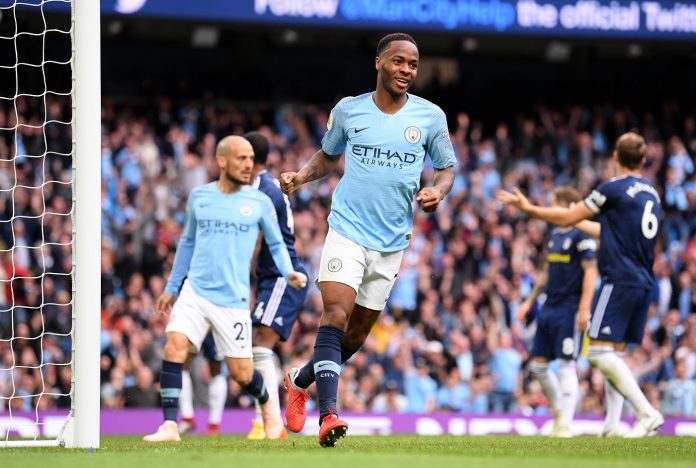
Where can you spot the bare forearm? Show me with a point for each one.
(443, 180)
(589, 280)
(591, 228)
(554, 215)
(318, 166)
(540, 285)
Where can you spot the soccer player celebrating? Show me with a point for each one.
(223, 219)
(629, 213)
(385, 136)
(569, 278)
(277, 306)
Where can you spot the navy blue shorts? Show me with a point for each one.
(620, 313)
(557, 336)
(208, 348)
(278, 305)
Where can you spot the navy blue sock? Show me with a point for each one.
(170, 389)
(306, 376)
(327, 367)
(257, 388)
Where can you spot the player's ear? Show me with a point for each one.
(377, 62)
(221, 160)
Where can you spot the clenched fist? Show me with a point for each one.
(290, 182)
(297, 280)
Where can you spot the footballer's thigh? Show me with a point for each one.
(567, 337)
(277, 308)
(342, 267)
(232, 335)
(620, 314)
(544, 347)
(187, 319)
(380, 275)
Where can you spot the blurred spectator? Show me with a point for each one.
(679, 398)
(448, 338)
(143, 394)
(505, 368)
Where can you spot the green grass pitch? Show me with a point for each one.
(367, 452)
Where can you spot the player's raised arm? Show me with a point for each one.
(557, 215)
(318, 166)
(276, 245)
(591, 228)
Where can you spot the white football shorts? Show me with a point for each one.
(371, 273)
(194, 316)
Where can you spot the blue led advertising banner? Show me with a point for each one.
(580, 18)
(620, 19)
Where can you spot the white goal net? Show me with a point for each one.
(48, 194)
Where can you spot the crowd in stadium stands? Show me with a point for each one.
(448, 340)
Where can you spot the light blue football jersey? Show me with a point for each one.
(372, 204)
(218, 241)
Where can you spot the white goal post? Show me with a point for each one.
(81, 428)
(84, 417)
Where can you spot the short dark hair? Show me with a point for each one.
(631, 149)
(566, 195)
(260, 145)
(389, 38)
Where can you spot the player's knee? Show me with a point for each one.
(335, 316)
(597, 354)
(566, 365)
(242, 376)
(175, 352)
(538, 368)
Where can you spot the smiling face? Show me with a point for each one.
(397, 67)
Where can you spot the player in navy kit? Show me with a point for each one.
(277, 305)
(629, 213)
(569, 278)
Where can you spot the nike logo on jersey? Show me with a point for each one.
(358, 130)
(324, 364)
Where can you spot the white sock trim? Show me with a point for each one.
(570, 388)
(549, 383)
(264, 362)
(186, 396)
(217, 396)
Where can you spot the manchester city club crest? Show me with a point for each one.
(246, 210)
(413, 134)
(335, 265)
